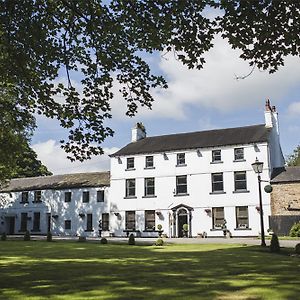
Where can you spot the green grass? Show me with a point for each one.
(72, 270)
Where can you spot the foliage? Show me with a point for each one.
(81, 238)
(274, 245)
(159, 227)
(185, 227)
(294, 159)
(131, 240)
(295, 230)
(49, 236)
(27, 236)
(297, 248)
(3, 236)
(103, 241)
(106, 43)
(159, 242)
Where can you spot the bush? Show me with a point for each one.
(274, 246)
(297, 249)
(81, 239)
(49, 236)
(103, 241)
(159, 227)
(185, 227)
(131, 240)
(27, 236)
(295, 230)
(159, 242)
(3, 236)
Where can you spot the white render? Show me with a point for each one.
(195, 207)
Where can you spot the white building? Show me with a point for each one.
(200, 179)
(69, 204)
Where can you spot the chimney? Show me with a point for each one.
(138, 132)
(268, 114)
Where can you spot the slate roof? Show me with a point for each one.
(286, 175)
(77, 180)
(199, 139)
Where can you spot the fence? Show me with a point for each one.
(281, 225)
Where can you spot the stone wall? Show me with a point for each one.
(283, 195)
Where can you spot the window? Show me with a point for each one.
(36, 221)
(68, 196)
(85, 197)
(218, 217)
(149, 162)
(149, 187)
(130, 163)
(100, 196)
(89, 222)
(23, 222)
(239, 154)
(24, 197)
(216, 156)
(105, 222)
(130, 220)
(242, 220)
(181, 184)
(149, 219)
(180, 159)
(130, 188)
(240, 182)
(217, 182)
(37, 196)
(67, 224)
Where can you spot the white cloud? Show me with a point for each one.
(294, 109)
(215, 86)
(54, 158)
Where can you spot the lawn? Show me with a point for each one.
(73, 270)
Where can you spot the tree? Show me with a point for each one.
(294, 159)
(104, 44)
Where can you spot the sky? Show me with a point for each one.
(196, 100)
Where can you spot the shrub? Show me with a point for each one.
(185, 227)
(3, 236)
(131, 240)
(27, 236)
(295, 230)
(159, 227)
(297, 249)
(274, 246)
(81, 239)
(49, 236)
(159, 242)
(103, 241)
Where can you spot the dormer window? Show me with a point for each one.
(130, 163)
(216, 156)
(181, 159)
(238, 154)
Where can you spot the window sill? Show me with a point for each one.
(27, 202)
(37, 201)
(89, 230)
(36, 230)
(130, 197)
(239, 160)
(67, 201)
(149, 196)
(216, 229)
(217, 193)
(151, 230)
(181, 165)
(100, 201)
(179, 195)
(86, 202)
(242, 228)
(241, 191)
(216, 162)
(132, 169)
(149, 168)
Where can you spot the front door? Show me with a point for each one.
(182, 219)
(10, 225)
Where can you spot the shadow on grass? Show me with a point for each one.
(89, 270)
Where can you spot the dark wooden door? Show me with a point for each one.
(182, 219)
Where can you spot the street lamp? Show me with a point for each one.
(258, 167)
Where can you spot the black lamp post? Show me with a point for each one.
(258, 167)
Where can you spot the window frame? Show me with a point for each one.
(105, 221)
(239, 224)
(214, 183)
(131, 214)
(128, 193)
(100, 196)
(24, 222)
(24, 195)
(216, 158)
(147, 187)
(89, 222)
(68, 197)
(239, 181)
(85, 196)
(37, 197)
(217, 224)
(181, 160)
(236, 158)
(180, 186)
(147, 164)
(130, 163)
(149, 222)
(36, 226)
(69, 223)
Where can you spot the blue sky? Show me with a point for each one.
(196, 100)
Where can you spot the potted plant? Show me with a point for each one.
(185, 228)
(159, 229)
(224, 227)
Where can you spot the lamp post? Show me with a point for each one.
(258, 167)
